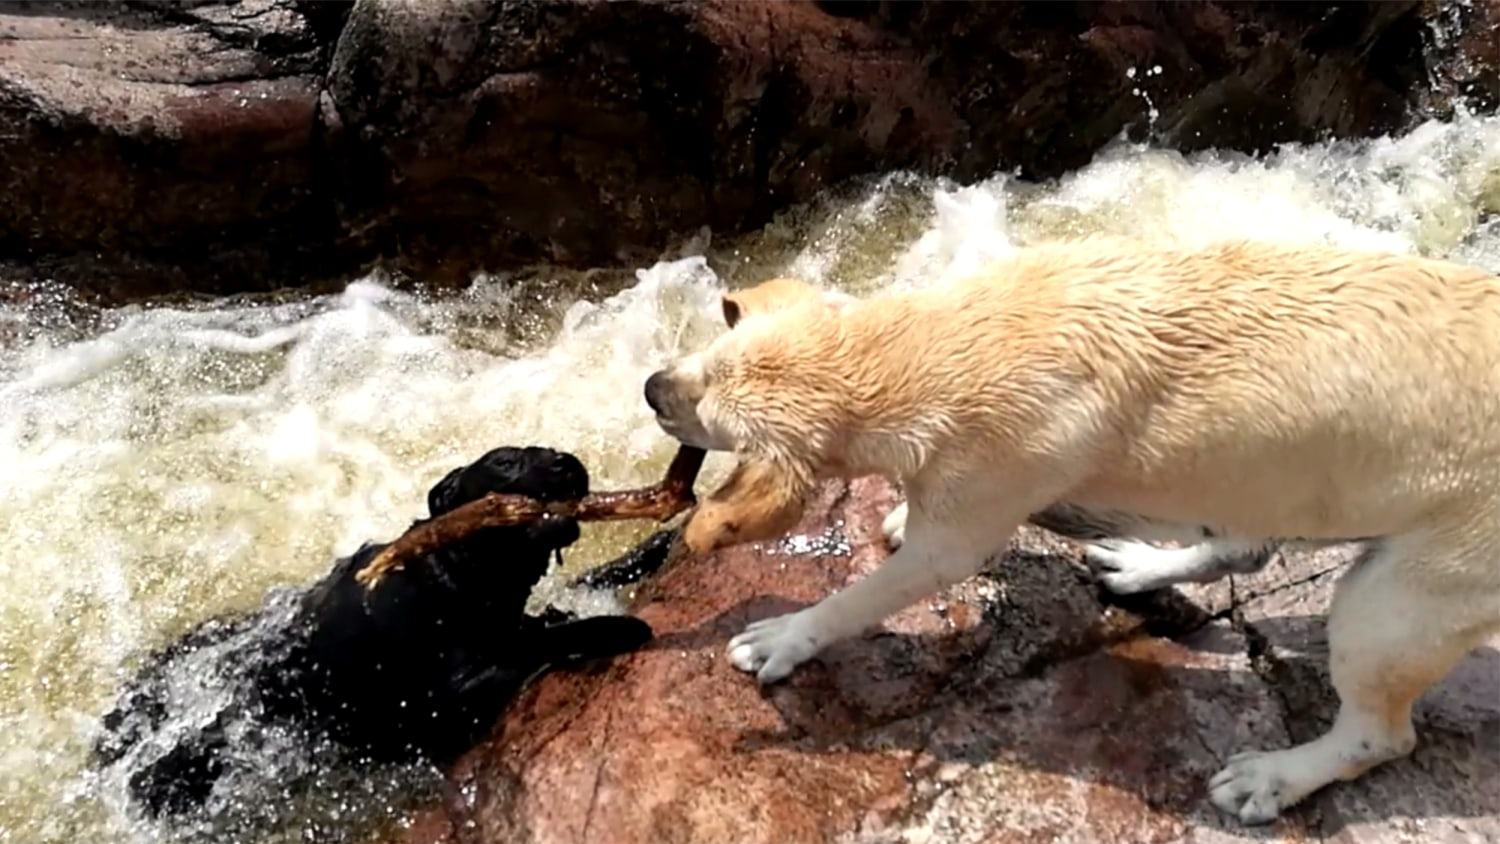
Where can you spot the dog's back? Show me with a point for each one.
(1267, 390)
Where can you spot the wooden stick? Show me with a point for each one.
(661, 502)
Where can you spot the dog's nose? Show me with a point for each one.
(654, 387)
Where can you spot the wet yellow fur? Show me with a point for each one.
(1188, 386)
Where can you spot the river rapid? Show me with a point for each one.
(168, 462)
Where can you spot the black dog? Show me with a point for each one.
(419, 667)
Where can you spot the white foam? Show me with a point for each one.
(969, 228)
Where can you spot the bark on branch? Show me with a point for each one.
(661, 502)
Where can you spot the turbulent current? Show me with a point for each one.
(168, 462)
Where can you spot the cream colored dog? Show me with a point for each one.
(1235, 397)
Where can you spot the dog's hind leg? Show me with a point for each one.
(1127, 566)
(1402, 617)
(1089, 524)
(1082, 524)
(1118, 546)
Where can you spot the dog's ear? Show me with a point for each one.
(768, 296)
(731, 310)
(759, 500)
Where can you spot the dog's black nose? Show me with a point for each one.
(654, 387)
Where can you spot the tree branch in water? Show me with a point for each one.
(661, 502)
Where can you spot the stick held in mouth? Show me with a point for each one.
(660, 502)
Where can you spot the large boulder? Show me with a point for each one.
(220, 145)
(149, 147)
(1022, 705)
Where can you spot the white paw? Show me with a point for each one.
(894, 526)
(1253, 787)
(1127, 566)
(771, 648)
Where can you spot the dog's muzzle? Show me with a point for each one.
(656, 387)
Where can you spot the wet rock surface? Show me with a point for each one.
(1022, 705)
(221, 145)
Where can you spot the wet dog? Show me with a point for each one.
(418, 668)
(1231, 398)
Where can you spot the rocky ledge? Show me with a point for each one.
(1023, 705)
(215, 145)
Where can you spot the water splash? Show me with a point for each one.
(1139, 90)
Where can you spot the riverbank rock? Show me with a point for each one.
(1022, 705)
(159, 147)
(247, 145)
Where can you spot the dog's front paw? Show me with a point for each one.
(1253, 787)
(894, 526)
(771, 648)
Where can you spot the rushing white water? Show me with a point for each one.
(166, 464)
